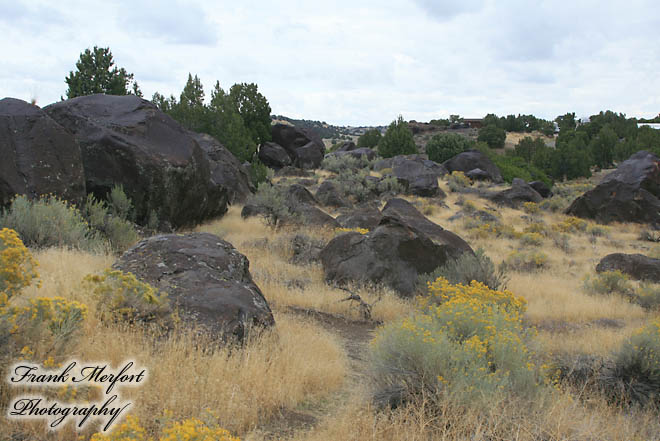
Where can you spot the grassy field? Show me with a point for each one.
(308, 378)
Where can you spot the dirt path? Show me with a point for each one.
(354, 336)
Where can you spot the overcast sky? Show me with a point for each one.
(355, 62)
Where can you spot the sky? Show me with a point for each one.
(354, 62)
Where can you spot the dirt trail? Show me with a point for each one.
(354, 336)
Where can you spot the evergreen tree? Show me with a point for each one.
(398, 140)
(96, 73)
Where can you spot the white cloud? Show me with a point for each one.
(352, 62)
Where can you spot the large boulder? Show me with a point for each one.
(355, 153)
(541, 188)
(205, 277)
(418, 174)
(361, 217)
(637, 266)
(519, 192)
(404, 245)
(346, 146)
(126, 140)
(274, 156)
(304, 147)
(38, 155)
(472, 159)
(226, 170)
(631, 193)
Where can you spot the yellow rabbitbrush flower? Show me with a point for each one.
(352, 230)
(17, 266)
(191, 429)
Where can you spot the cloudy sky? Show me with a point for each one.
(355, 62)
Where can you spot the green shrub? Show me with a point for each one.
(389, 185)
(49, 222)
(515, 167)
(337, 164)
(259, 172)
(398, 140)
(117, 230)
(634, 376)
(493, 136)
(531, 239)
(272, 200)
(119, 204)
(648, 296)
(122, 297)
(469, 349)
(609, 282)
(445, 146)
(369, 139)
(465, 269)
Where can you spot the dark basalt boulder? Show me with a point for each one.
(328, 194)
(478, 174)
(205, 277)
(404, 245)
(369, 154)
(382, 164)
(631, 193)
(637, 266)
(519, 192)
(39, 156)
(361, 217)
(274, 156)
(297, 194)
(304, 146)
(126, 140)
(472, 159)
(226, 170)
(305, 249)
(346, 146)
(541, 188)
(289, 171)
(418, 174)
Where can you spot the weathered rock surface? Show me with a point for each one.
(631, 193)
(274, 156)
(226, 170)
(473, 159)
(361, 217)
(328, 194)
(304, 147)
(637, 266)
(403, 245)
(418, 174)
(126, 140)
(355, 153)
(541, 188)
(38, 155)
(519, 192)
(206, 277)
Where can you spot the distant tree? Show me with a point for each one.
(571, 158)
(493, 136)
(398, 140)
(96, 73)
(566, 122)
(527, 147)
(447, 145)
(254, 109)
(227, 125)
(190, 111)
(492, 120)
(602, 147)
(369, 139)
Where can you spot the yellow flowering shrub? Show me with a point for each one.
(17, 266)
(571, 225)
(458, 180)
(121, 296)
(537, 228)
(191, 429)
(531, 239)
(485, 230)
(352, 230)
(531, 207)
(466, 343)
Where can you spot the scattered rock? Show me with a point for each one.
(473, 159)
(305, 249)
(418, 174)
(329, 195)
(637, 266)
(39, 156)
(356, 153)
(274, 156)
(304, 147)
(478, 174)
(519, 192)
(541, 188)
(631, 193)
(346, 146)
(206, 277)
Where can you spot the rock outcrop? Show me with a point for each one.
(471, 160)
(637, 266)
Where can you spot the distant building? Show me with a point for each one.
(655, 126)
(475, 123)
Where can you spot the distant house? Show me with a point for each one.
(475, 123)
(655, 126)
